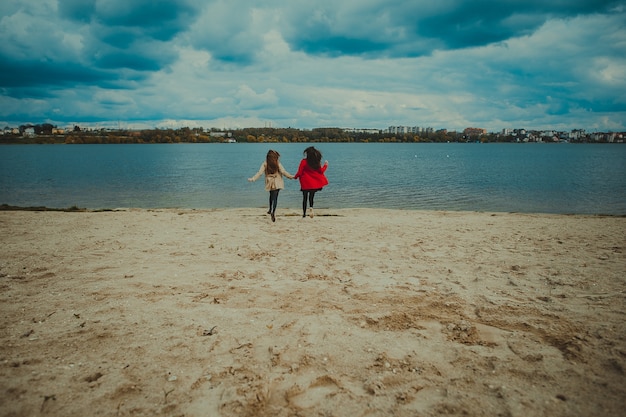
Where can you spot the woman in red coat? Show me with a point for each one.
(311, 176)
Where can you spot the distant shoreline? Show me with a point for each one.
(61, 141)
(42, 134)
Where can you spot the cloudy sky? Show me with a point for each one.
(535, 64)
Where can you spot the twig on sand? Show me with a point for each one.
(166, 393)
(209, 332)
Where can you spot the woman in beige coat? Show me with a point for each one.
(274, 172)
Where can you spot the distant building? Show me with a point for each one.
(361, 130)
(220, 134)
(396, 130)
(402, 130)
(577, 134)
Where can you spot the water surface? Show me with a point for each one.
(547, 178)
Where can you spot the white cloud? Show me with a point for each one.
(248, 99)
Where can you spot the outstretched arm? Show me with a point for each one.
(259, 173)
(284, 171)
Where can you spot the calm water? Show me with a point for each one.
(547, 178)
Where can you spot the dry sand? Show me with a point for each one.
(351, 313)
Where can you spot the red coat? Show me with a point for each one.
(311, 179)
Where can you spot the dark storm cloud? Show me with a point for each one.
(94, 39)
(158, 19)
(480, 23)
(412, 28)
(341, 45)
(22, 78)
(79, 10)
(133, 61)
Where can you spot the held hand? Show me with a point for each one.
(326, 163)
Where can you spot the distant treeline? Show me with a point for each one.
(248, 135)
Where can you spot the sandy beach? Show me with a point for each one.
(355, 312)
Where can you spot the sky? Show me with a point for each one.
(229, 64)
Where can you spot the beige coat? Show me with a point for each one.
(272, 181)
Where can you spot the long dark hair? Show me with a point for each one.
(313, 157)
(271, 166)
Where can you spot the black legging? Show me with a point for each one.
(273, 201)
(307, 195)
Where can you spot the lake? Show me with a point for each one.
(540, 178)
